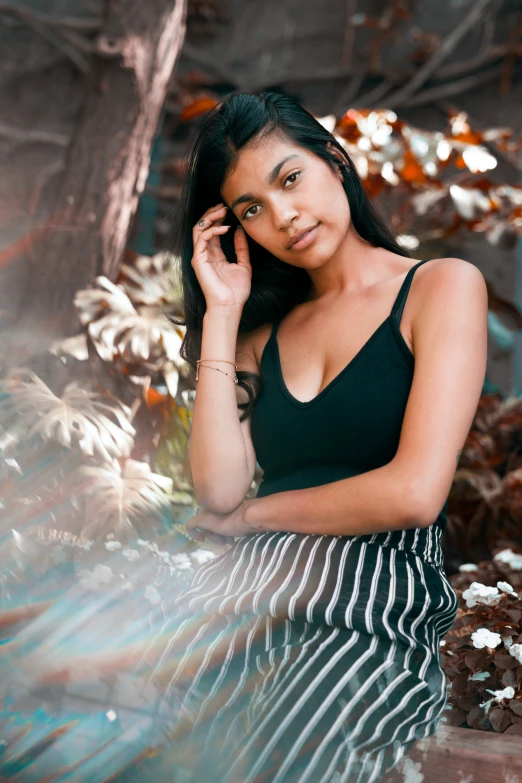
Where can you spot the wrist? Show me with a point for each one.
(223, 313)
(251, 516)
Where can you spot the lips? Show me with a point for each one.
(301, 235)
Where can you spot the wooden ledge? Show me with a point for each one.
(454, 755)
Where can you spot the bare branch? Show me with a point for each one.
(349, 35)
(446, 90)
(25, 136)
(87, 24)
(374, 96)
(403, 94)
(60, 43)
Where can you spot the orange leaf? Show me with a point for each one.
(412, 171)
(197, 107)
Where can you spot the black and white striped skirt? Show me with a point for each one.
(307, 658)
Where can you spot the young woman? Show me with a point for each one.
(308, 651)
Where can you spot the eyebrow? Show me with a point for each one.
(270, 179)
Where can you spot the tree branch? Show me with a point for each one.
(448, 45)
(87, 24)
(24, 136)
(445, 90)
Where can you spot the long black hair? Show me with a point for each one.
(276, 286)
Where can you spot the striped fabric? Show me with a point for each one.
(308, 658)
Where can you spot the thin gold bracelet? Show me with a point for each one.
(215, 360)
(214, 368)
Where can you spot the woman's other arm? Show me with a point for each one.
(221, 454)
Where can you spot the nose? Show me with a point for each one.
(285, 216)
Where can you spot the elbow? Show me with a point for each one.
(417, 509)
(216, 503)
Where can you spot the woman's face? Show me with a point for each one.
(277, 190)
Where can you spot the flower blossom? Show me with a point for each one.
(201, 556)
(478, 593)
(130, 554)
(485, 638)
(91, 580)
(152, 594)
(516, 651)
(506, 588)
(508, 556)
(468, 567)
(112, 546)
(507, 693)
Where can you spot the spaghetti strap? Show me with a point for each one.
(400, 301)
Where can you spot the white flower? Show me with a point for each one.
(508, 556)
(131, 554)
(91, 580)
(181, 561)
(507, 693)
(485, 638)
(102, 573)
(442, 643)
(478, 593)
(152, 595)
(87, 581)
(506, 588)
(142, 542)
(516, 651)
(112, 546)
(201, 556)
(468, 567)
(479, 676)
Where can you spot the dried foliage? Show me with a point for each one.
(484, 509)
(482, 653)
(127, 321)
(99, 425)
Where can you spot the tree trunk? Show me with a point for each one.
(84, 231)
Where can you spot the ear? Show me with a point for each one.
(333, 149)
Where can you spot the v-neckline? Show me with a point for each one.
(306, 403)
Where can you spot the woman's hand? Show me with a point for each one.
(220, 528)
(223, 283)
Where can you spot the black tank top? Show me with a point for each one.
(353, 425)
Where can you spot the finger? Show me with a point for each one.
(241, 247)
(209, 218)
(205, 236)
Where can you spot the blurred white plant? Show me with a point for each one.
(125, 498)
(468, 567)
(516, 651)
(513, 560)
(149, 280)
(98, 424)
(141, 334)
(91, 580)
